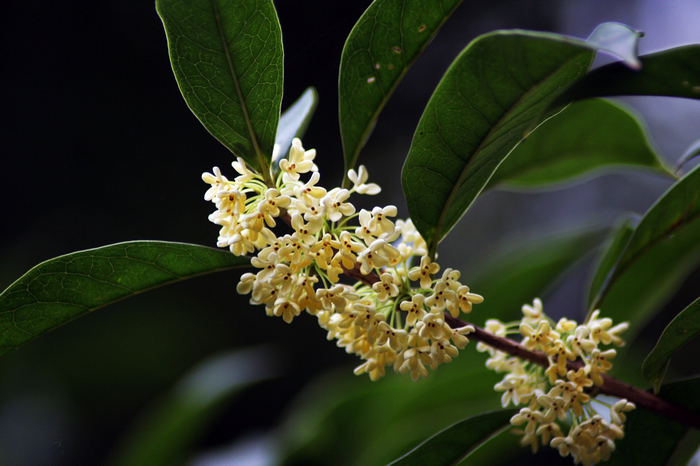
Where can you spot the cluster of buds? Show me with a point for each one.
(556, 396)
(381, 317)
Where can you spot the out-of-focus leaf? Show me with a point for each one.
(227, 57)
(294, 121)
(673, 73)
(65, 287)
(453, 444)
(616, 244)
(527, 270)
(678, 332)
(620, 40)
(344, 407)
(589, 135)
(169, 429)
(691, 152)
(662, 250)
(650, 439)
(487, 100)
(381, 47)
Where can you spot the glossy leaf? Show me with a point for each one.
(489, 97)
(650, 439)
(672, 73)
(228, 59)
(676, 334)
(381, 47)
(453, 444)
(616, 244)
(663, 249)
(165, 433)
(63, 288)
(588, 135)
(528, 270)
(294, 121)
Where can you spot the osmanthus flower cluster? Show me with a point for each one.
(556, 397)
(387, 323)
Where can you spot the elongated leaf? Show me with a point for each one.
(528, 270)
(662, 250)
(650, 439)
(294, 121)
(453, 444)
(621, 235)
(481, 109)
(168, 429)
(673, 73)
(586, 136)
(381, 47)
(61, 289)
(227, 57)
(690, 153)
(678, 332)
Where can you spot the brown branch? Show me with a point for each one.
(611, 386)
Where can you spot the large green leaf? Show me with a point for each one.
(528, 270)
(589, 135)
(489, 97)
(673, 73)
(453, 444)
(663, 249)
(678, 332)
(63, 288)
(227, 57)
(382, 46)
(650, 439)
(166, 432)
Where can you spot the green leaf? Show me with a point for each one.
(650, 439)
(169, 428)
(678, 332)
(663, 249)
(616, 244)
(294, 122)
(227, 57)
(672, 73)
(63, 288)
(453, 444)
(381, 47)
(491, 94)
(586, 136)
(528, 269)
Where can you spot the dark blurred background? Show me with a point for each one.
(99, 147)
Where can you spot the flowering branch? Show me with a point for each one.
(610, 386)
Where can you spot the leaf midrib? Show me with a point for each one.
(241, 99)
(453, 192)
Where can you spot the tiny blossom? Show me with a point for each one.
(424, 272)
(300, 161)
(336, 207)
(557, 396)
(358, 180)
(385, 322)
